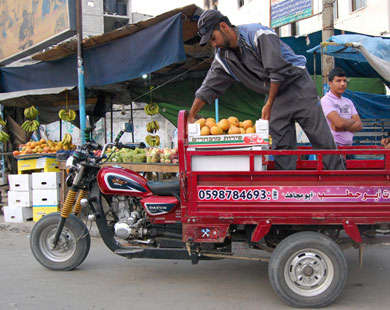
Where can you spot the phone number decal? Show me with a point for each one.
(235, 194)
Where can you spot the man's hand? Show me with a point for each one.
(196, 106)
(266, 112)
(386, 142)
(191, 119)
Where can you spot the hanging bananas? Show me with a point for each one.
(67, 115)
(152, 127)
(153, 140)
(30, 125)
(67, 140)
(4, 137)
(2, 122)
(31, 112)
(151, 109)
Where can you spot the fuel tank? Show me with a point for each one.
(122, 181)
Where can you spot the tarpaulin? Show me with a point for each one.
(359, 48)
(120, 60)
(370, 106)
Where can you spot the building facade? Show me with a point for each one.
(371, 17)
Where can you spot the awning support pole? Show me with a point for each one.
(80, 71)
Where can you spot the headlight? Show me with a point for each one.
(69, 162)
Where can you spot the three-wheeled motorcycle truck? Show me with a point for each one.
(228, 202)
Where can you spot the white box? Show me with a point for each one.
(20, 199)
(17, 214)
(225, 163)
(19, 182)
(46, 180)
(46, 197)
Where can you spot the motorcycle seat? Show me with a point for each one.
(171, 188)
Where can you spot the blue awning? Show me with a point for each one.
(120, 60)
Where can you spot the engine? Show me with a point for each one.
(131, 221)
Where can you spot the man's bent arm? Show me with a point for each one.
(273, 91)
(357, 126)
(197, 105)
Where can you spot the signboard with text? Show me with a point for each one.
(287, 11)
(27, 26)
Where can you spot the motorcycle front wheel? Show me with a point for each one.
(73, 244)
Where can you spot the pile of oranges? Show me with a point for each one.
(43, 146)
(230, 126)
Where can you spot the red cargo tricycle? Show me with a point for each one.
(227, 203)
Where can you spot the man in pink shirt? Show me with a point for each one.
(340, 112)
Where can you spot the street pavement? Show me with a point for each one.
(107, 281)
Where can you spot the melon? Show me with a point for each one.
(205, 131)
(215, 130)
(224, 124)
(234, 121)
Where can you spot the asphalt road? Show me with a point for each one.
(108, 281)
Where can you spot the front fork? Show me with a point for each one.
(68, 204)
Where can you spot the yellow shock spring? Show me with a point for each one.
(77, 206)
(68, 204)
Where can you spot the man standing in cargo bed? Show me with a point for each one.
(255, 56)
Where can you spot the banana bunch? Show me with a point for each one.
(4, 137)
(153, 140)
(67, 140)
(151, 109)
(152, 127)
(31, 112)
(67, 115)
(2, 122)
(30, 125)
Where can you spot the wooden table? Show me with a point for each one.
(136, 167)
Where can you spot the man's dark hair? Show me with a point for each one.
(226, 20)
(336, 72)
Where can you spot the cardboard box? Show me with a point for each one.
(19, 182)
(46, 197)
(40, 211)
(46, 180)
(45, 164)
(226, 141)
(226, 163)
(17, 214)
(20, 199)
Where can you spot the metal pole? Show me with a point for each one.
(112, 122)
(327, 32)
(132, 119)
(80, 70)
(217, 110)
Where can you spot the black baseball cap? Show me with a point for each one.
(206, 24)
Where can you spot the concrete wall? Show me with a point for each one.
(93, 22)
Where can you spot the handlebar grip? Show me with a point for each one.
(126, 146)
(87, 134)
(119, 136)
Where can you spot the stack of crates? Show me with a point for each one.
(45, 193)
(19, 207)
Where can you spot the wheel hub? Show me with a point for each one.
(308, 272)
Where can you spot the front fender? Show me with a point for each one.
(101, 221)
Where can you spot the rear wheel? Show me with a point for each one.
(73, 244)
(307, 270)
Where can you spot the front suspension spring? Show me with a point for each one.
(68, 204)
(77, 206)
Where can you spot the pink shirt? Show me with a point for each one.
(345, 108)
